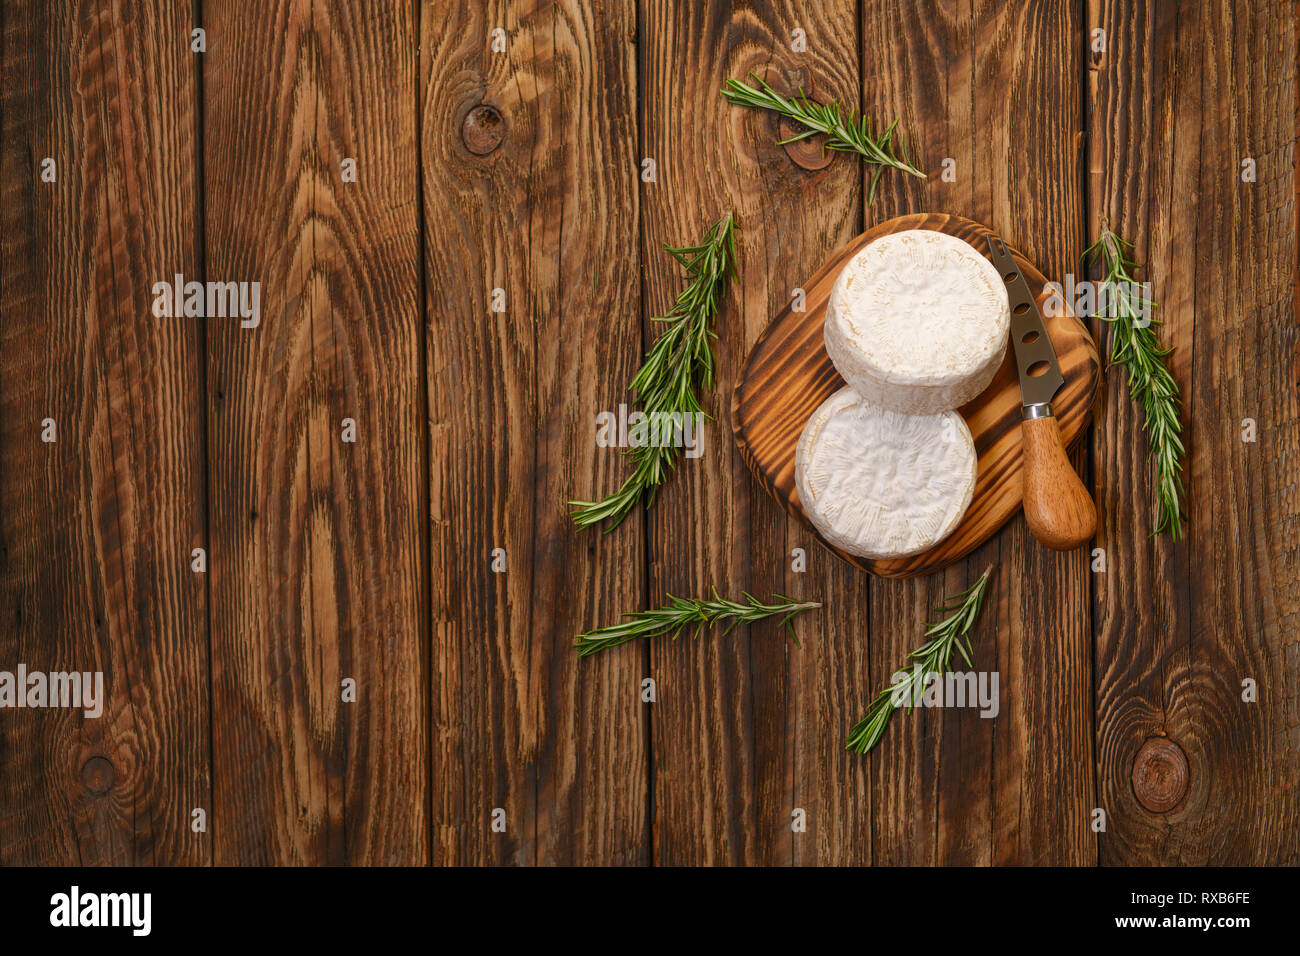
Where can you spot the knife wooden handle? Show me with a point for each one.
(1058, 508)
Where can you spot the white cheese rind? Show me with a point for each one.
(917, 322)
(881, 484)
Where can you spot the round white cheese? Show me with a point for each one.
(881, 484)
(917, 322)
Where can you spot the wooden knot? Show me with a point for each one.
(1160, 775)
(806, 153)
(97, 775)
(483, 130)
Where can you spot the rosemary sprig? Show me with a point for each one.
(678, 363)
(933, 656)
(680, 613)
(845, 131)
(1150, 383)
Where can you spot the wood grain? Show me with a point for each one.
(1044, 787)
(1181, 95)
(316, 546)
(934, 761)
(96, 528)
(741, 723)
(788, 375)
(823, 677)
(544, 209)
(972, 84)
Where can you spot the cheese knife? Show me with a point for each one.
(1058, 508)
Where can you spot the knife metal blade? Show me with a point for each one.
(1040, 374)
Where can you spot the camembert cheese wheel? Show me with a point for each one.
(882, 484)
(917, 322)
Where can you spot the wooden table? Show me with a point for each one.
(525, 170)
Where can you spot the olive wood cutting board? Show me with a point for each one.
(789, 374)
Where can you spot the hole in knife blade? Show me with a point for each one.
(1037, 369)
(1021, 309)
(1010, 276)
(1030, 337)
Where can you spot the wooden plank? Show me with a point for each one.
(530, 180)
(1188, 772)
(994, 88)
(747, 728)
(96, 528)
(316, 543)
(788, 375)
(917, 67)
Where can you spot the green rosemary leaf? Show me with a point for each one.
(679, 362)
(934, 656)
(845, 132)
(679, 613)
(1136, 348)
